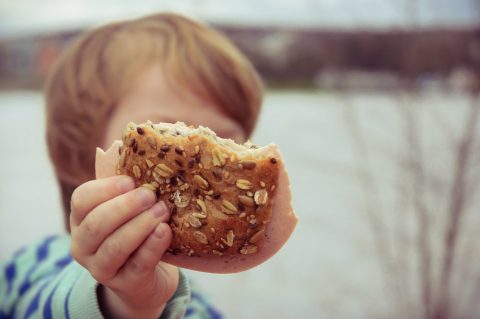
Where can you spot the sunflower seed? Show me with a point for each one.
(199, 215)
(231, 209)
(202, 205)
(261, 197)
(262, 184)
(152, 142)
(200, 237)
(229, 238)
(157, 178)
(194, 221)
(197, 149)
(184, 187)
(218, 158)
(245, 200)
(216, 252)
(250, 249)
(242, 215)
(243, 184)
(150, 187)
(249, 193)
(163, 170)
(137, 171)
(200, 181)
(179, 200)
(150, 164)
(257, 236)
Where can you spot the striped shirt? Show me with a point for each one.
(43, 281)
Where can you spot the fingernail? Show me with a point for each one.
(146, 196)
(125, 184)
(159, 209)
(160, 230)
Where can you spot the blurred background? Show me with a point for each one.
(375, 105)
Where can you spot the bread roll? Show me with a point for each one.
(230, 204)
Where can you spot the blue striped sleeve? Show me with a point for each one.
(200, 307)
(44, 282)
(22, 276)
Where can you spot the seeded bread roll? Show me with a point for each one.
(220, 193)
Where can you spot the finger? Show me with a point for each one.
(115, 250)
(107, 217)
(91, 194)
(148, 255)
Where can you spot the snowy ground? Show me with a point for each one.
(327, 269)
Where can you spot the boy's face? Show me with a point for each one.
(150, 98)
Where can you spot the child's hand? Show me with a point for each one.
(120, 238)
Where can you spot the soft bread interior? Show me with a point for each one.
(243, 151)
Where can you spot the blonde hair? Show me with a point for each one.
(95, 70)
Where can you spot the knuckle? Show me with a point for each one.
(112, 249)
(137, 267)
(91, 228)
(127, 203)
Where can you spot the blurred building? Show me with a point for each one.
(332, 44)
(329, 59)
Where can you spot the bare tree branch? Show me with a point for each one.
(420, 209)
(373, 210)
(456, 211)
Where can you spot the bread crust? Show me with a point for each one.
(219, 194)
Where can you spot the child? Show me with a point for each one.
(160, 68)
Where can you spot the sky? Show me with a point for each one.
(43, 15)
